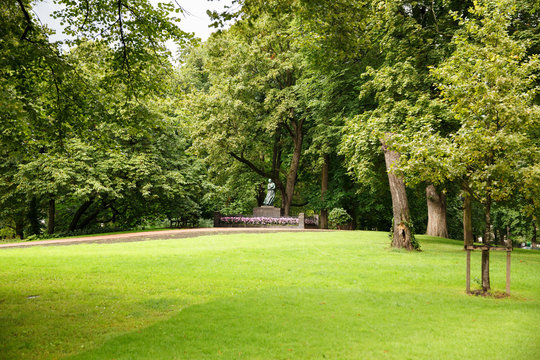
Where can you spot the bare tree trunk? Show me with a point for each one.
(293, 168)
(79, 213)
(89, 219)
(436, 204)
(533, 240)
(467, 220)
(52, 213)
(485, 271)
(33, 217)
(486, 286)
(323, 220)
(402, 236)
(261, 193)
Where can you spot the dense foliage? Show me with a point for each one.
(89, 137)
(360, 105)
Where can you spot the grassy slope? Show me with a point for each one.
(339, 295)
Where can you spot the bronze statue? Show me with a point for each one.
(271, 194)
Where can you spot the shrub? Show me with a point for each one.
(339, 218)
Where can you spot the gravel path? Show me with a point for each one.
(148, 235)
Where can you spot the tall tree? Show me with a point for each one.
(322, 33)
(487, 83)
(253, 109)
(66, 117)
(394, 91)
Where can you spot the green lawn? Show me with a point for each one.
(332, 295)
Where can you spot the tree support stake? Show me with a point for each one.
(508, 253)
(470, 248)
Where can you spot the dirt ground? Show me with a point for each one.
(147, 235)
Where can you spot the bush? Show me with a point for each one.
(339, 218)
(7, 233)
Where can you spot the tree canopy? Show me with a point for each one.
(391, 111)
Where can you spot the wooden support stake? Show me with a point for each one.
(469, 272)
(508, 253)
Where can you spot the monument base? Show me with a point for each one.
(267, 211)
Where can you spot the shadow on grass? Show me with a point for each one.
(439, 240)
(329, 323)
(426, 239)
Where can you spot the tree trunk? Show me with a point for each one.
(79, 213)
(90, 218)
(486, 286)
(436, 204)
(533, 240)
(323, 220)
(261, 194)
(293, 168)
(276, 166)
(19, 228)
(467, 220)
(402, 236)
(33, 217)
(52, 212)
(485, 271)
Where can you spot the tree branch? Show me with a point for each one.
(251, 165)
(29, 25)
(87, 13)
(465, 186)
(122, 38)
(434, 16)
(288, 128)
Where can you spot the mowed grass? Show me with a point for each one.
(312, 295)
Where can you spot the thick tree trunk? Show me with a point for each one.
(467, 220)
(486, 286)
(293, 168)
(402, 236)
(51, 216)
(436, 204)
(79, 213)
(323, 220)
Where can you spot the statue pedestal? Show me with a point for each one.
(267, 211)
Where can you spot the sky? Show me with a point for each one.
(195, 20)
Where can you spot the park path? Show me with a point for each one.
(147, 235)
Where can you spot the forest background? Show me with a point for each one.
(421, 116)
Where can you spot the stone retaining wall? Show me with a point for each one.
(312, 223)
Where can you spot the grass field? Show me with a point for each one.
(325, 295)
